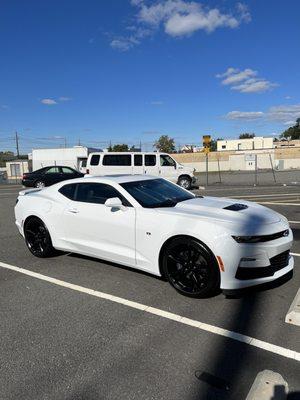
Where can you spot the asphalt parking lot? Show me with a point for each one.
(61, 342)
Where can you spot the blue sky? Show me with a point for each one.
(129, 71)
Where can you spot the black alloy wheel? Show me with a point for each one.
(37, 238)
(191, 268)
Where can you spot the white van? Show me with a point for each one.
(158, 164)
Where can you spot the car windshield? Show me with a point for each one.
(154, 193)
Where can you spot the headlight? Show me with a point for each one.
(261, 238)
(247, 239)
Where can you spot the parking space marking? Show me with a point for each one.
(278, 350)
(278, 203)
(294, 222)
(268, 195)
(295, 254)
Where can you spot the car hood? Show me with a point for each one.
(214, 208)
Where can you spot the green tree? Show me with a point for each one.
(293, 132)
(118, 147)
(165, 144)
(247, 136)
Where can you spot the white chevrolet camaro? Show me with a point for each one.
(199, 244)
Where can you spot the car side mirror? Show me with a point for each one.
(114, 202)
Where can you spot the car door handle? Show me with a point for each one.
(73, 210)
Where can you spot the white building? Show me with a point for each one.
(256, 143)
(74, 157)
(16, 168)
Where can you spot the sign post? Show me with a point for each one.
(206, 145)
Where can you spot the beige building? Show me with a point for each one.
(256, 143)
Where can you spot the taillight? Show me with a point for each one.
(24, 176)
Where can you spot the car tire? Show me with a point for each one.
(185, 182)
(38, 239)
(191, 268)
(39, 184)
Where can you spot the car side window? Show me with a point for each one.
(166, 161)
(67, 170)
(138, 160)
(150, 160)
(68, 190)
(95, 159)
(52, 170)
(98, 193)
(117, 159)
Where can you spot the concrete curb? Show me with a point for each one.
(293, 315)
(268, 385)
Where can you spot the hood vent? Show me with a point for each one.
(236, 207)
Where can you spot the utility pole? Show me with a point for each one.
(17, 144)
(65, 142)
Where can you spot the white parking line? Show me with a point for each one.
(268, 195)
(165, 314)
(295, 254)
(278, 203)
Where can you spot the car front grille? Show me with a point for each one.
(277, 263)
(280, 261)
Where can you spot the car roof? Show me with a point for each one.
(121, 178)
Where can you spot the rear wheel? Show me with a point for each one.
(39, 184)
(191, 268)
(185, 182)
(37, 238)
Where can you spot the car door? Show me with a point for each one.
(151, 166)
(138, 167)
(52, 175)
(167, 167)
(93, 229)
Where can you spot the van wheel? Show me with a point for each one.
(185, 182)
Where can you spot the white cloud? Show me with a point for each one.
(234, 75)
(49, 102)
(4, 107)
(244, 115)
(63, 98)
(255, 86)
(178, 18)
(245, 81)
(286, 115)
(288, 97)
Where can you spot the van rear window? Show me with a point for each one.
(95, 159)
(117, 159)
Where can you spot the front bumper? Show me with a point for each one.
(249, 265)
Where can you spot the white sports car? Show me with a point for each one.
(200, 244)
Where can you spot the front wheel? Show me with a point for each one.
(191, 268)
(37, 238)
(185, 182)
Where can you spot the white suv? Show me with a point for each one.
(157, 164)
